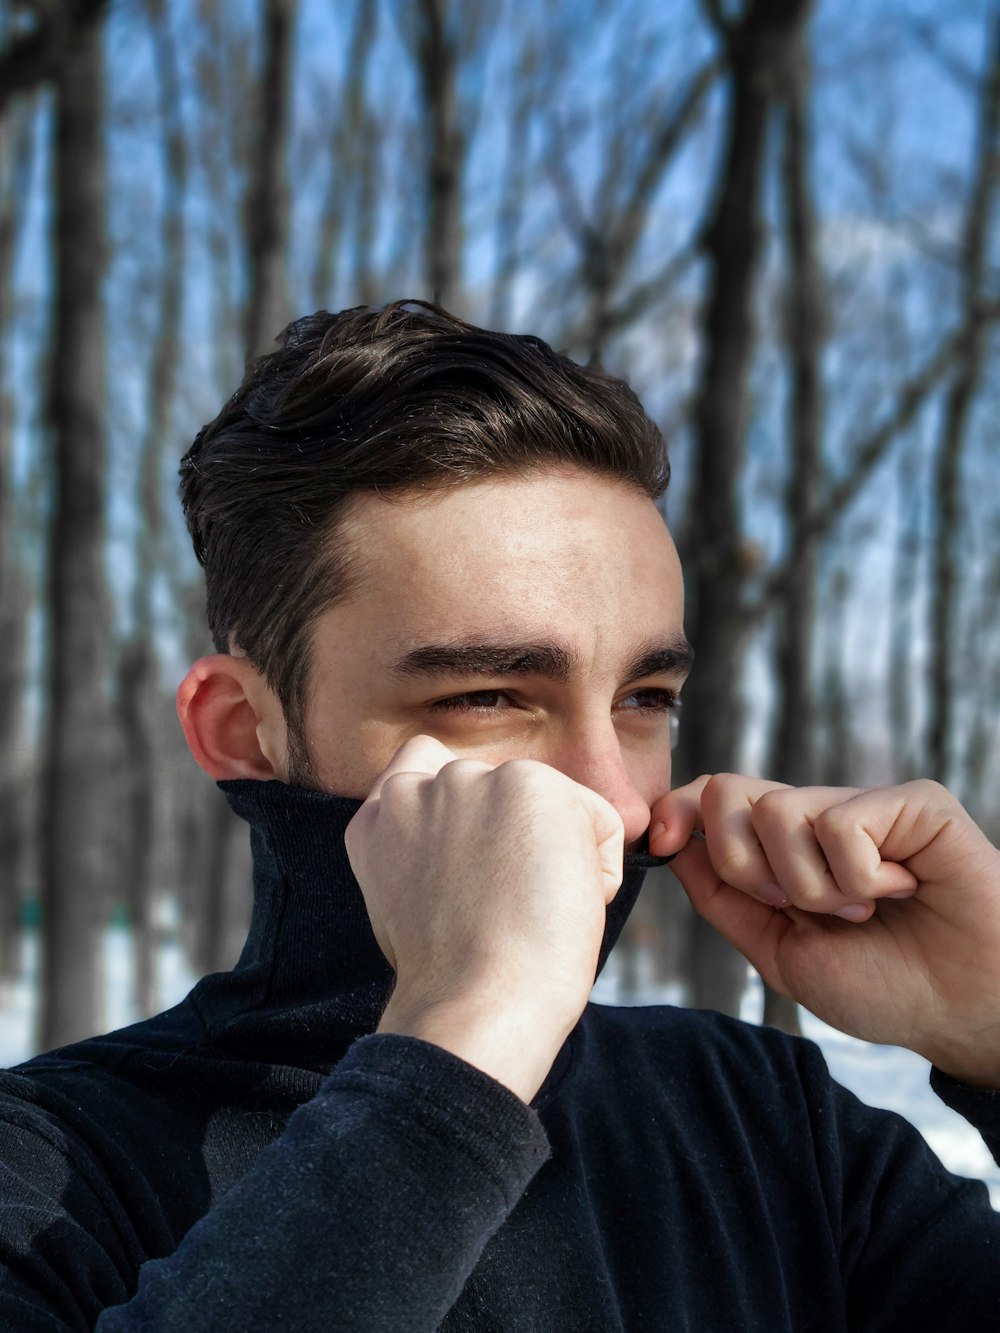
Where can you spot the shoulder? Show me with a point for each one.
(697, 1036)
(704, 1065)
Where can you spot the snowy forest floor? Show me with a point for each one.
(880, 1075)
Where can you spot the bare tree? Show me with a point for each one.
(267, 201)
(38, 56)
(945, 610)
(609, 246)
(758, 46)
(139, 695)
(436, 57)
(351, 194)
(16, 155)
(795, 757)
(524, 106)
(74, 803)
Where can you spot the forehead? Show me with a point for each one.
(525, 555)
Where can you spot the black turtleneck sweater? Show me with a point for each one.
(252, 1160)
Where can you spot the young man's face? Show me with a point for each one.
(538, 617)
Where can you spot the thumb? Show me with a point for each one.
(675, 816)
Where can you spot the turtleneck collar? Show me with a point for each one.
(311, 977)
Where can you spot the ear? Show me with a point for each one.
(233, 721)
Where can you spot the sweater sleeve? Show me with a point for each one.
(920, 1246)
(368, 1213)
(980, 1106)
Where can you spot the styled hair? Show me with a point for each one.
(382, 401)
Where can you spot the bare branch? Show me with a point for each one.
(636, 302)
(871, 450)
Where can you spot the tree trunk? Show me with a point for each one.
(75, 805)
(945, 617)
(795, 752)
(353, 179)
(908, 575)
(794, 757)
(758, 50)
(136, 679)
(838, 757)
(437, 69)
(37, 57)
(267, 212)
(16, 151)
(138, 689)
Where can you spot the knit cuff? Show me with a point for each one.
(452, 1100)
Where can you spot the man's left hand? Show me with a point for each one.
(879, 910)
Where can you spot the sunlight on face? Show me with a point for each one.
(522, 617)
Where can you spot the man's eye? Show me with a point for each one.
(650, 701)
(482, 701)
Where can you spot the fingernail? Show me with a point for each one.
(903, 893)
(773, 895)
(854, 912)
(657, 831)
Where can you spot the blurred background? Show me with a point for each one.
(778, 219)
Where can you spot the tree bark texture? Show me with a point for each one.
(74, 814)
(267, 210)
(795, 754)
(437, 68)
(758, 50)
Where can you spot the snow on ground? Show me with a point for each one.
(880, 1075)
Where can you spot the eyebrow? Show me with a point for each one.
(462, 658)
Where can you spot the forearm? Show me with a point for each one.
(367, 1214)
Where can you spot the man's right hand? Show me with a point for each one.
(487, 889)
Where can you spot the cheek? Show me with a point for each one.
(649, 768)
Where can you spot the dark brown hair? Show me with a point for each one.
(403, 397)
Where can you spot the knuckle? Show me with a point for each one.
(833, 822)
(771, 810)
(394, 786)
(525, 772)
(718, 790)
(734, 865)
(459, 770)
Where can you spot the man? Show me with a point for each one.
(450, 633)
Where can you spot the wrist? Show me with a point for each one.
(976, 1066)
(511, 1046)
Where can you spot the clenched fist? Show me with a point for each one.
(487, 889)
(879, 909)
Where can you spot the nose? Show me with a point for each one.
(593, 757)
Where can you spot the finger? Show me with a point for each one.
(691, 808)
(788, 825)
(609, 835)
(420, 754)
(752, 927)
(856, 837)
(721, 805)
(734, 848)
(920, 823)
(674, 817)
